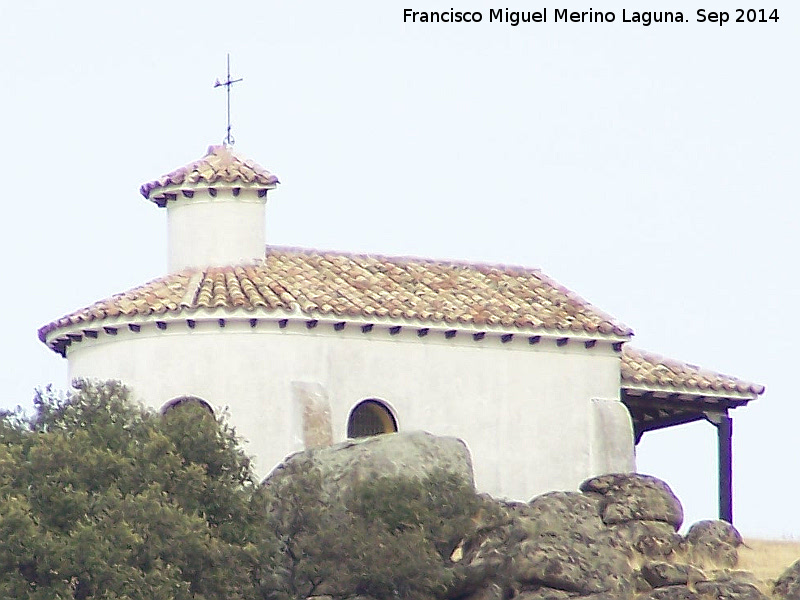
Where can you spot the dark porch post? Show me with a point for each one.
(725, 461)
(724, 425)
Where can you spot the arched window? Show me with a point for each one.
(370, 417)
(187, 401)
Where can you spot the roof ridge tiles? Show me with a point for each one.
(615, 326)
(407, 258)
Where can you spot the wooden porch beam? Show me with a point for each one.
(641, 427)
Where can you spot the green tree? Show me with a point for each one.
(101, 499)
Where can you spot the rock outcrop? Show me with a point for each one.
(787, 586)
(615, 539)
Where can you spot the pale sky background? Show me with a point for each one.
(651, 170)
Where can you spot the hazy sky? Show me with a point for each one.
(650, 169)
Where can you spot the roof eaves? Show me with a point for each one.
(54, 331)
(670, 391)
(220, 166)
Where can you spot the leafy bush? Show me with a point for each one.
(392, 537)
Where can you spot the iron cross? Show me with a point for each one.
(228, 141)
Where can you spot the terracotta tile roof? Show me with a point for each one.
(327, 284)
(159, 296)
(642, 369)
(219, 165)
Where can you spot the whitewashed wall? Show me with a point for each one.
(535, 417)
(215, 230)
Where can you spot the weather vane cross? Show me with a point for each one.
(228, 141)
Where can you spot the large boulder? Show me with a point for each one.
(728, 590)
(414, 454)
(714, 542)
(652, 539)
(562, 515)
(787, 586)
(634, 497)
(673, 592)
(583, 568)
(664, 574)
(564, 547)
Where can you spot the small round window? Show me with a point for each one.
(370, 417)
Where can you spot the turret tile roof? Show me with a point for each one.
(219, 165)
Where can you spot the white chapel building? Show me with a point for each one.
(308, 348)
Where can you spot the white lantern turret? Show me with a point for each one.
(215, 209)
